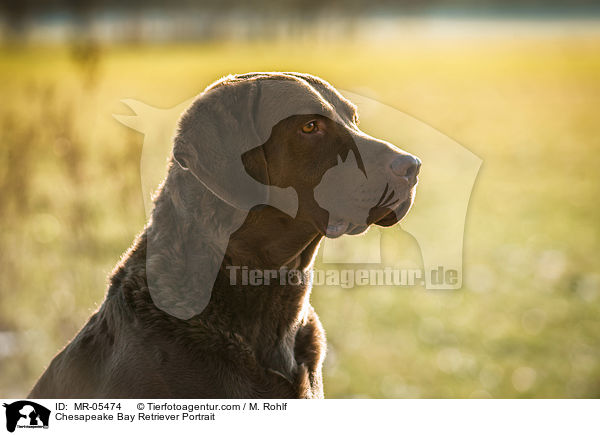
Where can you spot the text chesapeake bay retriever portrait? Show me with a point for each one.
(263, 167)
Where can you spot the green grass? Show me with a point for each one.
(525, 324)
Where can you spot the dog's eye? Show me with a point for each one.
(310, 127)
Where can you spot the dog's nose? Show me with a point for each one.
(406, 166)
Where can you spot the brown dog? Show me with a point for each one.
(179, 320)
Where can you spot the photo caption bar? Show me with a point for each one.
(269, 416)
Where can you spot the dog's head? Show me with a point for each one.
(280, 163)
(250, 137)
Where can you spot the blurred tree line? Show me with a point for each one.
(18, 16)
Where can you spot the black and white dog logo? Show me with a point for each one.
(26, 414)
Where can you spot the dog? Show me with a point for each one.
(263, 167)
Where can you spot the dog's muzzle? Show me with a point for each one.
(395, 201)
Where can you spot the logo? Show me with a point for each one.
(223, 147)
(26, 414)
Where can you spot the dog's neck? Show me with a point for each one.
(268, 315)
(264, 284)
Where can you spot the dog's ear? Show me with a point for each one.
(212, 136)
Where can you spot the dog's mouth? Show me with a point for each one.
(395, 215)
(389, 210)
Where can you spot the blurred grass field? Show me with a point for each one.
(525, 324)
